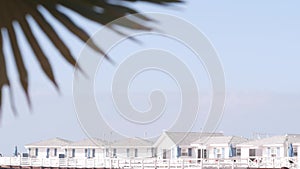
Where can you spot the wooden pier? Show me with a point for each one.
(148, 163)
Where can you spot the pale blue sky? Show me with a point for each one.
(258, 45)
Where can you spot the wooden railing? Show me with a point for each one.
(255, 162)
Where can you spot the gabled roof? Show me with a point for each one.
(54, 142)
(132, 142)
(275, 140)
(186, 138)
(220, 140)
(89, 142)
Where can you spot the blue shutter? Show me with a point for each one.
(73, 152)
(189, 152)
(178, 151)
(89, 153)
(48, 152)
(93, 153)
(115, 152)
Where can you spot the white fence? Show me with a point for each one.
(255, 162)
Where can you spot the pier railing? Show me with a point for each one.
(151, 163)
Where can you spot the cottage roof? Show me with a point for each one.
(220, 140)
(132, 142)
(186, 138)
(275, 140)
(89, 142)
(54, 142)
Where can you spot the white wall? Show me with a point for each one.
(142, 152)
(80, 152)
(298, 150)
(244, 152)
(42, 152)
(166, 143)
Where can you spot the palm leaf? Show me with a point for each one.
(3, 70)
(99, 11)
(22, 71)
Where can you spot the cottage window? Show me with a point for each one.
(278, 152)
(215, 152)
(295, 151)
(85, 152)
(164, 154)
(136, 152)
(36, 152)
(252, 152)
(107, 152)
(128, 152)
(93, 153)
(238, 152)
(269, 152)
(55, 152)
(223, 153)
(219, 152)
(153, 152)
(115, 152)
(73, 152)
(273, 151)
(184, 152)
(204, 153)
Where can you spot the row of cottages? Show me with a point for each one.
(172, 145)
(91, 148)
(276, 146)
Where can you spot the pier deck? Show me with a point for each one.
(109, 163)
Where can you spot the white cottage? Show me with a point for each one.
(172, 145)
(296, 149)
(87, 148)
(51, 148)
(218, 146)
(276, 146)
(132, 148)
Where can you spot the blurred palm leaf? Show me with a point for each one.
(100, 11)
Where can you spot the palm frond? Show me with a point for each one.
(22, 71)
(99, 11)
(3, 70)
